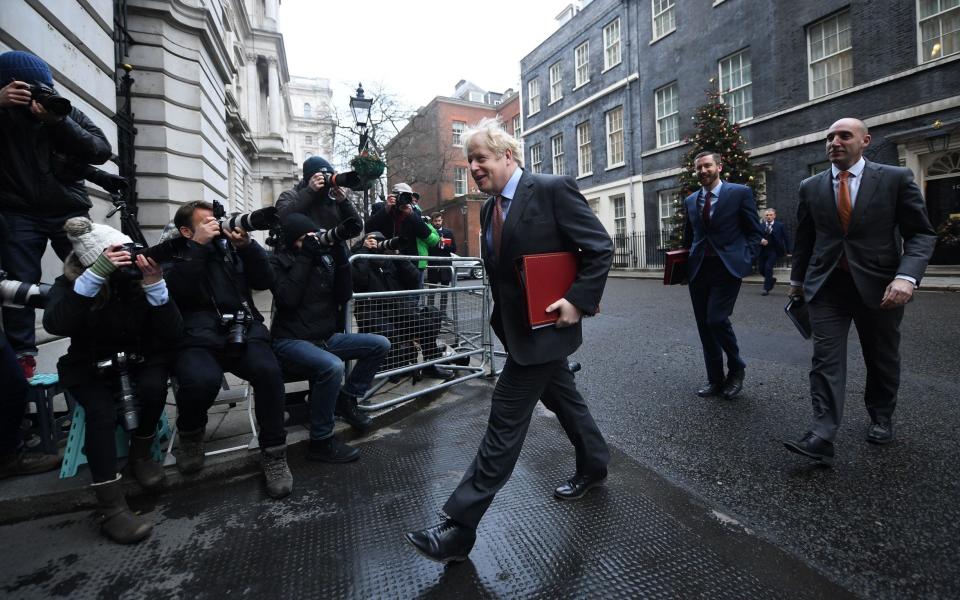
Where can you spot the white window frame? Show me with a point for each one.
(533, 97)
(610, 44)
(458, 127)
(556, 143)
(937, 15)
(517, 128)
(475, 96)
(612, 135)
(581, 60)
(584, 150)
(618, 207)
(308, 140)
(743, 110)
(459, 181)
(662, 117)
(666, 199)
(536, 158)
(663, 11)
(827, 58)
(307, 111)
(556, 82)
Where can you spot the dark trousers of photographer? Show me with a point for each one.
(402, 325)
(200, 371)
(20, 257)
(438, 276)
(14, 400)
(98, 400)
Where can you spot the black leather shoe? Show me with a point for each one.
(578, 485)
(711, 389)
(765, 293)
(346, 408)
(813, 447)
(332, 450)
(733, 385)
(446, 542)
(880, 431)
(435, 372)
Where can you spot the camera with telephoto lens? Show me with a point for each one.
(261, 219)
(236, 325)
(19, 294)
(164, 254)
(125, 397)
(389, 245)
(348, 179)
(48, 98)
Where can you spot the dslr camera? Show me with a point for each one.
(164, 253)
(125, 397)
(48, 98)
(19, 294)
(236, 325)
(261, 219)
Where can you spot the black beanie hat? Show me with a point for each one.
(23, 66)
(314, 165)
(294, 225)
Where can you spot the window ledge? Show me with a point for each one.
(663, 148)
(530, 114)
(577, 87)
(585, 175)
(616, 166)
(655, 40)
(614, 65)
(552, 102)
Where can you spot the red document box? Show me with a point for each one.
(545, 278)
(675, 269)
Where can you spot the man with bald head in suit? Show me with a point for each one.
(863, 242)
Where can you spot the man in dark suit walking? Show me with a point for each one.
(526, 214)
(722, 231)
(863, 243)
(774, 245)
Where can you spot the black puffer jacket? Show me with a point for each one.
(192, 282)
(118, 319)
(41, 166)
(307, 294)
(324, 211)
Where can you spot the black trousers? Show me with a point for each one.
(765, 262)
(516, 394)
(13, 399)
(836, 304)
(714, 293)
(97, 400)
(200, 371)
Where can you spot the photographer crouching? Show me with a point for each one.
(312, 280)
(122, 328)
(223, 331)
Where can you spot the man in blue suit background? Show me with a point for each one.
(774, 245)
(723, 233)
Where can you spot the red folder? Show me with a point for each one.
(675, 267)
(545, 278)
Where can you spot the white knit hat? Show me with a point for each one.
(90, 239)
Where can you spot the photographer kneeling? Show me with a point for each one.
(312, 280)
(121, 334)
(224, 332)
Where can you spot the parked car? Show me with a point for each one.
(467, 268)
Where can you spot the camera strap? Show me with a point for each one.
(213, 298)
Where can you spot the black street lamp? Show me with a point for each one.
(360, 106)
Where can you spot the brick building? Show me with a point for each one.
(892, 63)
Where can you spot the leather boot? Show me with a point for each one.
(146, 470)
(276, 471)
(189, 454)
(117, 521)
(347, 410)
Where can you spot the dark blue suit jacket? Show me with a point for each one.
(734, 230)
(778, 240)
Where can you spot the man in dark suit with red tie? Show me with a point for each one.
(863, 243)
(722, 231)
(526, 214)
(774, 244)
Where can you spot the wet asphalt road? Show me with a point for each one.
(884, 522)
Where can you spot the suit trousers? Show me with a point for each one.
(714, 293)
(766, 261)
(514, 398)
(836, 304)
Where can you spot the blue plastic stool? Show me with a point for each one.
(74, 456)
(44, 387)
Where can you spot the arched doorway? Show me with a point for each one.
(942, 179)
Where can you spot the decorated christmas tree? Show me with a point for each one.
(714, 132)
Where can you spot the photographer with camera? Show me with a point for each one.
(399, 219)
(313, 279)
(122, 328)
(224, 332)
(394, 318)
(318, 197)
(45, 144)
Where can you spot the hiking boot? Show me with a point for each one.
(147, 471)
(117, 521)
(276, 472)
(189, 453)
(332, 450)
(27, 463)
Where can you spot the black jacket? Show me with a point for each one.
(307, 293)
(205, 276)
(411, 228)
(41, 166)
(324, 211)
(98, 329)
(382, 276)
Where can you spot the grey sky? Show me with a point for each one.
(418, 49)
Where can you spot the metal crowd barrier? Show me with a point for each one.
(453, 319)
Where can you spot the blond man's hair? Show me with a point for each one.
(489, 132)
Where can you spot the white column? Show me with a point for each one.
(271, 13)
(253, 94)
(273, 81)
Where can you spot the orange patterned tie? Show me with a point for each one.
(844, 206)
(497, 226)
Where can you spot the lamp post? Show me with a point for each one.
(360, 106)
